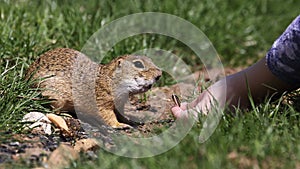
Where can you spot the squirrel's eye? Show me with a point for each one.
(138, 64)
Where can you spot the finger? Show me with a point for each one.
(178, 112)
(184, 106)
(199, 99)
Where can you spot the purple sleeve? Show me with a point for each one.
(283, 59)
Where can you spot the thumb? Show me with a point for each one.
(180, 112)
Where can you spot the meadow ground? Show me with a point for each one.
(265, 136)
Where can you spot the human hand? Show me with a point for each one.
(180, 112)
(213, 97)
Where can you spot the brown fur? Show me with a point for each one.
(99, 91)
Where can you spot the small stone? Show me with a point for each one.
(58, 121)
(33, 154)
(16, 143)
(40, 123)
(46, 128)
(85, 145)
(61, 157)
(52, 147)
(34, 117)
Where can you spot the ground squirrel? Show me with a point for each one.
(75, 82)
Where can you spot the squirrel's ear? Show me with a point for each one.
(119, 63)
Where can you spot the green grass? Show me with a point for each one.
(266, 135)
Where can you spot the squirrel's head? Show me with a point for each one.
(135, 74)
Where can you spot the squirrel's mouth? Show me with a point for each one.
(146, 88)
(142, 89)
(142, 86)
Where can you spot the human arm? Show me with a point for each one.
(235, 88)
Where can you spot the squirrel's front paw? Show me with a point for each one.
(121, 126)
